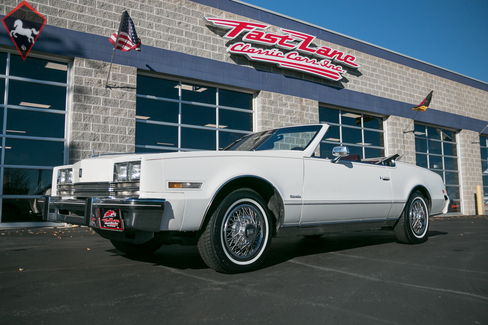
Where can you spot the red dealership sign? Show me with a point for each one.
(290, 50)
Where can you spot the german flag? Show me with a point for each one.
(422, 107)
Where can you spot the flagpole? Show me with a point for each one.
(115, 47)
(413, 119)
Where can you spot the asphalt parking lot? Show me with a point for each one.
(73, 276)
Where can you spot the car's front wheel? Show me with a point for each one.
(413, 224)
(238, 234)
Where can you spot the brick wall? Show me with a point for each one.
(398, 138)
(103, 119)
(277, 110)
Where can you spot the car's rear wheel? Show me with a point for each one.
(413, 224)
(137, 249)
(238, 234)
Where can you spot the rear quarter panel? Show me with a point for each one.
(405, 178)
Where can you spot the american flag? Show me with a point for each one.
(128, 39)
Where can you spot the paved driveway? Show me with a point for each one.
(73, 276)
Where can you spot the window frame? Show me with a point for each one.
(5, 77)
(217, 127)
(363, 145)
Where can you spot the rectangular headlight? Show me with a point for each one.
(65, 176)
(127, 171)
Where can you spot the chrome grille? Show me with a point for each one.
(84, 190)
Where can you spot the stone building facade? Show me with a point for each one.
(180, 45)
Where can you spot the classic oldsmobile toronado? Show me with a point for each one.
(232, 202)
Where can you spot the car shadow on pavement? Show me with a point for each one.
(282, 249)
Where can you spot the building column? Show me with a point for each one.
(103, 119)
(470, 173)
(275, 110)
(400, 138)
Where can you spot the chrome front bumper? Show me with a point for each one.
(137, 214)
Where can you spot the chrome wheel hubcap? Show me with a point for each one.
(243, 231)
(418, 217)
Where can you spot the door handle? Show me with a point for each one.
(385, 178)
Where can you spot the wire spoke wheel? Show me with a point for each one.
(418, 217)
(242, 231)
(238, 234)
(413, 224)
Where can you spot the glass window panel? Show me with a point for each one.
(200, 94)
(1, 121)
(332, 134)
(451, 178)
(484, 153)
(356, 151)
(326, 150)
(420, 131)
(372, 122)
(235, 120)
(156, 135)
(351, 135)
(373, 153)
(17, 181)
(198, 139)
(350, 119)
(485, 179)
(455, 206)
(420, 145)
(450, 149)
(484, 167)
(2, 91)
(150, 150)
(433, 133)
(36, 124)
(3, 63)
(373, 138)
(483, 141)
(21, 210)
(435, 147)
(157, 110)
(34, 152)
(328, 115)
(157, 87)
(235, 99)
(453, 192)
(32, 94)
(435, 162)
(198, 115)
(421, 160)
(226, 138)
(448, 135)
(40, 69)
(450, 163)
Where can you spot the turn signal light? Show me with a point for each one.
(184, 185)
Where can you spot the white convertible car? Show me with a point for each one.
(232, 202)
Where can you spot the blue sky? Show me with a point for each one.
(452, 34)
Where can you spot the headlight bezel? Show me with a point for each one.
(127, 171)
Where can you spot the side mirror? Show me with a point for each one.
(339, 152)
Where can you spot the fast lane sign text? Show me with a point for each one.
(295, 42)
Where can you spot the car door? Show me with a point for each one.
(344, 191)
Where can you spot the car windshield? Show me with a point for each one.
(291, 138)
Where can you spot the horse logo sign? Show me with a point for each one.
(24, 24)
